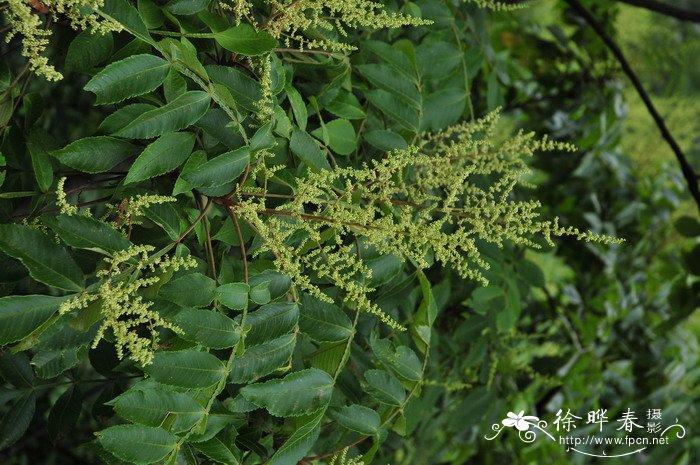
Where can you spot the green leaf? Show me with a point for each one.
(357, 418)
(278, 283)
(306, 148)
(385, 140)
(346, 105)
(443, 108)
(88, 50)
(95, 154)
(260, 293)
(384, 387)
(425, 316)
(190, 290)
(47, 262)
(125, 115)
(130, 77)
(218, 171)
(186, 7)
(150, 13)
(151, 407)
(246, 40)
(530, 273)
(15, 421)
(270, 321)
(33, 105)
(323, 321)
(197, 158)
(126, 15)
(186, 368)
(384, 77)
(208, 328)
(16, 195)
(384, 268)
(239, 405)
(298, 107)
(494, 93)
(161, 156)
(261, 360)
(392, 56)
(487, 299)
(186, 53)
(244, 89)
(174, 85)
(507, 316)
(216, 421)
(233, 295)
(20, 315)
(16, 370)
(218, 450)
(395, 109)
(437, 59)
(216, 123)
(341, 136)
(330, 356)
(299, 393)
(85, 232)
(41, 162)
(51, 363)
(263, 138)
(178, 114)
(165, 216)
(402, 361)
(300, 442)
(137, 444)
(64, 414)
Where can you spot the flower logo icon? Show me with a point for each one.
(520, 421)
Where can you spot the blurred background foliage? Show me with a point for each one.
(602, 328)
(595, 326)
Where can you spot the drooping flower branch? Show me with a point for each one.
(432, 202)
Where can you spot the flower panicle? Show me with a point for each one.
(436, 201)
(124, 310)
(495, 5)
(35, 36)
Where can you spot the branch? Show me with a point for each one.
(688, 173)
(665, 9)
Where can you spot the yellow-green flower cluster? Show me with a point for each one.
(133, 208)
(61, 200)
(240, 8)
(342, 459)
(336, 263)
(495, 5)
(28, 24)
(290, 18)
(264, 105)
(123, 310)
(434, 201)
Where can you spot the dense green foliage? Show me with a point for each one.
(297, 231)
